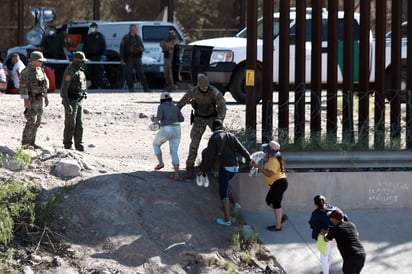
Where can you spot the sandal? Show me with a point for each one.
(273, 228)
(284, 218)
(220, 221)
(159, 166)
(172, 177)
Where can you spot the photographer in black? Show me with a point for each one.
(131, 51)
(73, 90)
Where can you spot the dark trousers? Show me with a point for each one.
(136, 64)
(73, 125)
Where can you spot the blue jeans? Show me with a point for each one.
(171, 134)
(224, 179)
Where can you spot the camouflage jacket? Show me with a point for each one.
(33, 80)
(205, 104)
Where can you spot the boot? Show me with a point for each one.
(190, 172)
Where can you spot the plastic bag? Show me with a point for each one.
(154, 126)
(258, 156)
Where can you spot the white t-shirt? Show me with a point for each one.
(15, 72)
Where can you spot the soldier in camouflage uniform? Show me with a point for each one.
(73, 91)
(208, 105)
(33, 88)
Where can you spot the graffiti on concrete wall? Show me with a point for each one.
(387, 192)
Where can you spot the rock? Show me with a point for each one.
(27, 270)
(57, 261)
(12, 164)
(67, 168)
(35, 258)
(86, 165)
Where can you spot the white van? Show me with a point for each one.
(152, 33)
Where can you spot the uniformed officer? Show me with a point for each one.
(33, 88)
(73, 91)
(131, 52)
(94, 47)
(208, 104)
(167, 46)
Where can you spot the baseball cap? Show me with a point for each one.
(37, 56)
(216, 125)
(272, 147)
(202, 81)
(165, 95)
(79, 56)
(93, 25)
(336, 214)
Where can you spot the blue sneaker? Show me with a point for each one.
(220, 221)
(236, 209)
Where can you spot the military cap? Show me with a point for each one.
(78, 55)
(37, 56)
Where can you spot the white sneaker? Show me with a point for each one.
(199, 180)
(205, 181)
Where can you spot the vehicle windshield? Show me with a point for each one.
(243, 33)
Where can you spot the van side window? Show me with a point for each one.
(157, 33)
(324, 31)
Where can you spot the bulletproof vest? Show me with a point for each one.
(134, 46)
(78, 84)
(39, 84)
(204, 104)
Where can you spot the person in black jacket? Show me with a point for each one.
(225, 147)
(347, 237)
(94, 47)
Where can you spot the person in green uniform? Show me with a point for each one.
(33, 88)
(131, 51)
(73, 90)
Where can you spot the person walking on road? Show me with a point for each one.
(94, 47)
(208, 105)
(320, 224)
(275, 176)
(224, 147)
(131, 51)
(167, 46)
(73, 91)
(170, 117)
(33, 88)
(347, 238)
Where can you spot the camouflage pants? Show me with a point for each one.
(33, 117)
(73, 125)
(198, 128)
(168, 74)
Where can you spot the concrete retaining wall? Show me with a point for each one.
(349, 190)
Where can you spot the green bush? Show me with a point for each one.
(17, 207)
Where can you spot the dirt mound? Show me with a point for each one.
(122, 216)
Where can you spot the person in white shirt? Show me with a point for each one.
(14, 74)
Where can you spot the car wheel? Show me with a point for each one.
(238, 88)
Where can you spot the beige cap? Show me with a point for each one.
(37, 56)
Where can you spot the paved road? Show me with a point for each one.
(385, 234)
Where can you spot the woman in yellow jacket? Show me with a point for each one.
(275, 177)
